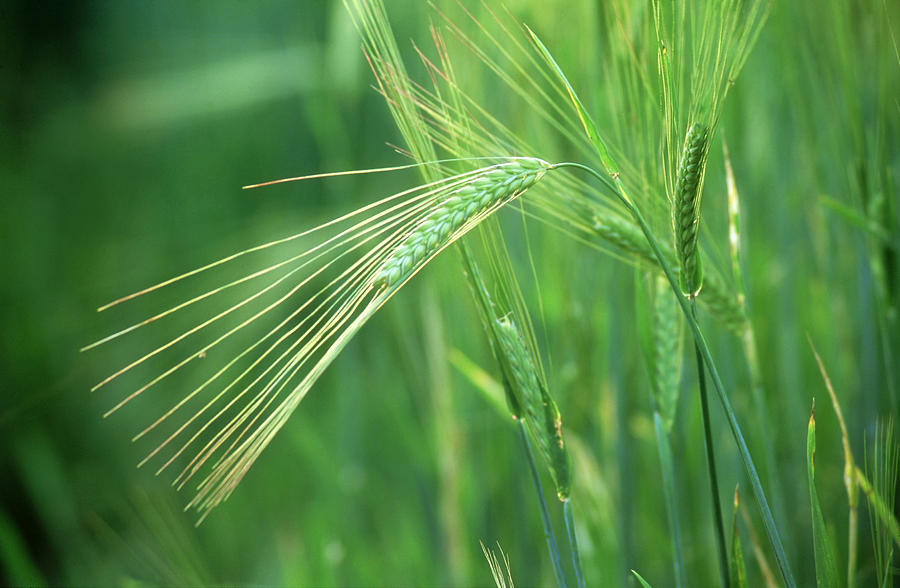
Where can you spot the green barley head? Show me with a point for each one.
(686, 211)
(294, 304)
(539, 411)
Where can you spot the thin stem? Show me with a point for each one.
(573, 542)
(852, 526)
(545, 514)
(700, 341)
(668, 475)
(748, 342)
(711, 465)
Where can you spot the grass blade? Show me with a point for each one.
(640, 579)
(826, 568)
(738, 571)
(849, 467)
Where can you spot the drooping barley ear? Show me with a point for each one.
(686, 212)
(666, 351)
(722, 304)
(540, 413)
(625, 236)
(494, 187)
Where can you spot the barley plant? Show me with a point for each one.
(452, 293)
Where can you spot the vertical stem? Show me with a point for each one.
(545, 514)
(573, 542)
(758, 392)
(711, 465)
(668, 474)
(852, 525)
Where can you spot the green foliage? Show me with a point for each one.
(128, 131)
(826, 568)
(737, 569)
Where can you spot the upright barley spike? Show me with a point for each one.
(494, 187)
(687, 206)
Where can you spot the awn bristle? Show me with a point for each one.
(541, 415)
(492, 188)
(687, 206)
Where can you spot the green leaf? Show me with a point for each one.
(737, 571)
(826, 568)
(490, 388)
(882, 511)
(855, 218)
(587, 122)
(643, 582)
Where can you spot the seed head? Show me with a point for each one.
(687, 206)
(540, 413)
(495, 186)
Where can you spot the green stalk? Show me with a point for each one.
(573, 542)
(545, 514)
(879, 506)
(668, 475)
(711, 465)
(703, 348)
(748, 342)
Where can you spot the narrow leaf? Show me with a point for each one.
(855, 218)
(826, 568)
(587, 122)
(881, 509)
(643, 582)
(738, 571)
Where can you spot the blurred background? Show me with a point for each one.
(127, 131)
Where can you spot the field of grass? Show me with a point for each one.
(617, 275)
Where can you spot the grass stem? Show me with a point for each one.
(545, 513)
(711, 465)
(668, 475)
(573, 542)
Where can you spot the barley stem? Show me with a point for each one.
(573, 542)
(711, 465)
(545, 513)
(664, 447)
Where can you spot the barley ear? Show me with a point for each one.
(540, 412)
(666, 352)
(494, 187)
(560, 463)
(686, 214)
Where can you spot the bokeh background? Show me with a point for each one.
(127, 131)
